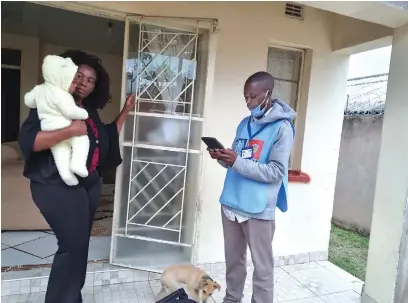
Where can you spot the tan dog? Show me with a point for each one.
(198, 284)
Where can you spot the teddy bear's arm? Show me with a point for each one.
(30, 98)
(69, 109)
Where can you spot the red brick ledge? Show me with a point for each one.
(297, 176)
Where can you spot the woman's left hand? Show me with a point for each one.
(130, 103)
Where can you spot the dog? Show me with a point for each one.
(199, 285)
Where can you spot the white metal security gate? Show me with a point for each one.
(161, 145)
(154, 82)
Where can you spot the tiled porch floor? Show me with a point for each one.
(37, 247)
(315, 282)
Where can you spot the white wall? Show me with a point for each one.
(246, 30)
(29, 47)
(239, 49)
(387, 256)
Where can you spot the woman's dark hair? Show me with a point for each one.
(101, 93)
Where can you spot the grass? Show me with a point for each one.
(348, 250)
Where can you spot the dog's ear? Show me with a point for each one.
(203, 283)
(217, 286)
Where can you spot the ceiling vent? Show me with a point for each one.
(294, 10)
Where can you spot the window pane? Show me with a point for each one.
(284, 64)
(286, 91)
(168, 70)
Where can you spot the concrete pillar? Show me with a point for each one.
(387, 269)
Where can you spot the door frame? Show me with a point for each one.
(167, 22)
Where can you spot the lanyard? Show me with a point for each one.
(257, 133)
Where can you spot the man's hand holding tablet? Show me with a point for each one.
(212, 143)
(218, 151)
(228, 156)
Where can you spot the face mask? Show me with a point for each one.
(258, 111)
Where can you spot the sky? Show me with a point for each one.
(370, 63)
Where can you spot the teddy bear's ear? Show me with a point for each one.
(52, 61)
(69, 63)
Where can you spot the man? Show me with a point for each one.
(255, 184)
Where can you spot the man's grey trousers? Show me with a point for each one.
(258, 235)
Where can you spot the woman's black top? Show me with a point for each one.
(40, 166)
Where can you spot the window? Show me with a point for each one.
(10, 84)
(10, 57)
(286, 65)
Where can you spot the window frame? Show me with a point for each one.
(299, 83)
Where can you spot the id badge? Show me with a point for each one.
(247, 152)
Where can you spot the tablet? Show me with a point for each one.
(212, 143)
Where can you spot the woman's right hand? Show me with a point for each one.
(78, 128)
(46, 139)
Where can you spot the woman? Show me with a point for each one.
(70, 210)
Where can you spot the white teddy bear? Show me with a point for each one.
(56, 109)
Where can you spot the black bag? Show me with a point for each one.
(179, 296)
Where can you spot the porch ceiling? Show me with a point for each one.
(389, 13)
(56, 27)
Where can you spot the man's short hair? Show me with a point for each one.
(264, 77)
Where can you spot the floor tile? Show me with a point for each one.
(42, 247)
(45, 261)
(309, 265)
(129, 293)
(24, 274)
(45, 247)
(349, 296)
(288, 288)
(99, 249)
(13, 257)
(308, 300)
(103, 266)
(321, 281)
(280, 273)
(13, 238)
(102, 242)
(338, 271)
(357, 284)
(37, 297)
(291, 285)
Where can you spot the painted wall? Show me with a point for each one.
(357, 172)
(246, 29)
(351, 32)
(387, 257)
(401, 285)
(240, 48)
